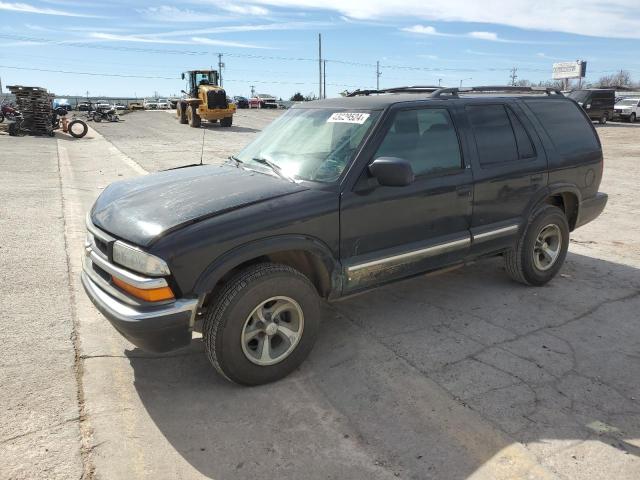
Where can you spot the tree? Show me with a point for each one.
(620, 79)
(297, 97)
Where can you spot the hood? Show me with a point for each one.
(143, 209)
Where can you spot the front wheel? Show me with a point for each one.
(97, 117)
(226, 122)
(193, 117)
(632, 118)
(540, 252)
(603, 119)
(262, 325)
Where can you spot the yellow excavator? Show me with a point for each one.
(204, 100)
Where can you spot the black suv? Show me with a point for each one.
(335, 197)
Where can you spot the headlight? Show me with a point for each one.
(139, 261)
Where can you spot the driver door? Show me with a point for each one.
(392, 232)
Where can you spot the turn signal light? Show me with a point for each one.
(148, 295)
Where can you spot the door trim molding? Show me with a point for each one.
(498, 232)
(412, 255)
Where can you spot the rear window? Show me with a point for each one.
(566, 125)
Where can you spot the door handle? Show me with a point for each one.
(463, 191)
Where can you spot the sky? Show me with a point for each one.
(137, 48)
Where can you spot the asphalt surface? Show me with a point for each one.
(461, 375)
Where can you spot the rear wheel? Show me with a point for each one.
(181, 113)
(262, 325)
(541, 250)
(193, 117)
(1, 117)
(97, 117)
(603, 119)
(632, 118)
(226, 122)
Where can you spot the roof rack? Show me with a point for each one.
(453, 92)
(408, 89)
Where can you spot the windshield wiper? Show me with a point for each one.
(275, 167)
(235, 159)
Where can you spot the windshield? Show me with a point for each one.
(579, 95)
(632, 102)
(310, 144)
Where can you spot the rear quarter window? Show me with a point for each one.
(566, 125)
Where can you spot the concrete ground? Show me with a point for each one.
(461, 375)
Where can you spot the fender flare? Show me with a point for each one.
(266, 246)
(553, 189)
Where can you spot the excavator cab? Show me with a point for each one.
(197, 78)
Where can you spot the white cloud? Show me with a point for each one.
(491, 36)
(242, 9)
(610, 18)
(225, 43)
(26, 8)
(134, 38)
(239, 28)
(166, 13)
(421, 29)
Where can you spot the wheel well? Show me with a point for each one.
(568, 203)
(307, 263)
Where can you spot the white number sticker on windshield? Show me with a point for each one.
(345, 117)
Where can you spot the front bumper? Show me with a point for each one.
(158, 329)
(591, 208)
(152, 327)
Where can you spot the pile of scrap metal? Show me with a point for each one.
(34, 103)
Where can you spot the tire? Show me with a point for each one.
(181, 113)
(521, 263)
(226, 122)
(234, 309)
(194, 118)
(1, 117)
(97, 117)
(603, 119)
(73, 123)
(632, 118)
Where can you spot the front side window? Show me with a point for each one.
(314, 144)
(426, 138)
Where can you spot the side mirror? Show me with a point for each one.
(182, 91)
(392, 171)
(182, 75)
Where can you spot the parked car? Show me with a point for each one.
(120, 106)
(336, 197)
(84, 107)
(173, 102)
(102, 105)
(627, 109)
(163, 104)
(263, 100)
(150, 104)
(136, 106)
(61, 103)
(597, 102)
(241, 102)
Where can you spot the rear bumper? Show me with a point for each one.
(591, 208)
(154, 329)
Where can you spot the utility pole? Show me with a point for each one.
(0, 85)
(378, 74)
(220, 67)
(324, 78)
(513, 76)
(319, 65)
(439, 82)
(253, 91)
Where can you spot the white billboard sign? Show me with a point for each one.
(576, 69)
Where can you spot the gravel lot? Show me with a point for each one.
(461, 375)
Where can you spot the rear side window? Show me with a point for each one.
(525, 146)
(494, 135)
(566, 125)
